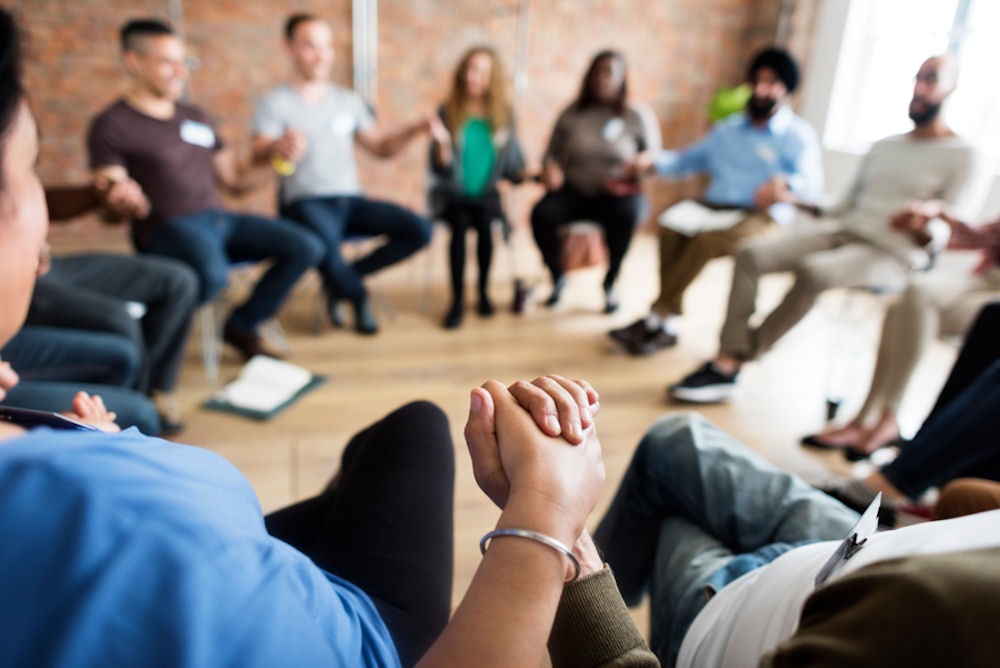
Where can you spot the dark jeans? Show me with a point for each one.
(334, 219)
(463, 215)
(133, 409)
(959, 438)
(617, 215)
(73, 356)
(385, 523)
(211, 241)
(91, 292)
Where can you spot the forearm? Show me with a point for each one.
(593, 627)
(392, 142)
(507, 613)
(70, 201)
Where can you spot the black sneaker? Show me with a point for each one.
(707, 385)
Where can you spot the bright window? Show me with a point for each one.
(885, 41)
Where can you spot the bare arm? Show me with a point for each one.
(238, 176)
(551, 486)
(387, 143)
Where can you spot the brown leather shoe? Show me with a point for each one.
(627, 335)
(248, 343)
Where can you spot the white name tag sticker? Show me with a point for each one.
(197, 134)
(342, 124)
(613, 129)
(767, 153)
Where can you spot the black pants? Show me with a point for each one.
(980, 349)
(461, 216)
(617, 215)
(385, 523)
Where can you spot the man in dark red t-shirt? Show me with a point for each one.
(173, 151)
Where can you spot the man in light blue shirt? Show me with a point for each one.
(760, 163)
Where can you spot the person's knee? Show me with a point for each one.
(213, 279)
(666, 440)
(814, 278)
(182, 284)
(420, 230)
(747, 259)
(302, 246)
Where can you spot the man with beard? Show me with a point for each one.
(868, 248)
(760, 163)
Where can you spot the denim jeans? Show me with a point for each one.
(334, 219)
(92, 292)
(132, 408)
(211, 241)
(696, 510)
(73, 356)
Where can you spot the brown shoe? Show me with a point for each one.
(627, 335)
(658, 340)
(248, 343)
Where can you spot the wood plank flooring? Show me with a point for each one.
(292, 456)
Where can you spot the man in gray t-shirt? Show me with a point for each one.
(308, 129)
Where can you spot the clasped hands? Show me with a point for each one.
(536, 455)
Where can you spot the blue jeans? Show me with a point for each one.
(696, 510)
(211, 241)
(334, 219)
(74, 356)
(133, 409)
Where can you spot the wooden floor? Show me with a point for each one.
(290, 457)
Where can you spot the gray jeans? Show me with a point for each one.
(696, 510)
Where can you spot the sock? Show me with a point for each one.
(670, 324)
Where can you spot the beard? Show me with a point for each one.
(761, 108)
(925, 115)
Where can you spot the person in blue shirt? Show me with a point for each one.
(760, 164)
(124, 550)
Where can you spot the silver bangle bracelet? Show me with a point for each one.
(535, 536)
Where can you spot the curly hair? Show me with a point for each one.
(456, 106)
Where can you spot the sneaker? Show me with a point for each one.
(653, 342)
(707, 385)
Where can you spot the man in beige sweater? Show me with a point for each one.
(928, 163)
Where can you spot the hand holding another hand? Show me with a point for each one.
(123, 197)
(535, 452)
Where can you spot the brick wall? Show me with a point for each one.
(679, 53)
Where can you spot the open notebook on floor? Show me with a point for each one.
(264, 388)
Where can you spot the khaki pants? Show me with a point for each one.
(819, 260)
(936, 303)
(682, 257)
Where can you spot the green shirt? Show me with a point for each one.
(478, 155)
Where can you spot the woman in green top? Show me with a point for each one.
(472, 149)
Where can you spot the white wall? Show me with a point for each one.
(817, 92)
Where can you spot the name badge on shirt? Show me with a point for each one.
(613, 129)
(856, 539)
(766, 153)
(342, 124)
(197, 134)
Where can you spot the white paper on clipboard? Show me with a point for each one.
(688, 217)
